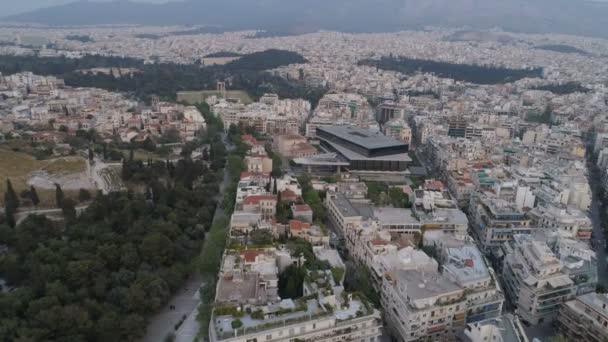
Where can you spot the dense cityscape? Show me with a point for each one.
(174, 184)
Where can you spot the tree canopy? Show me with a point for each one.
(480, 74)
(166, 79)
(98, 276)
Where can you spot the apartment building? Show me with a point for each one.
(496, 221)
(585, 318)
(422, 306)
(534, 279)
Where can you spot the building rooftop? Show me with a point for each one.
(352, 155)
(506, 328)
(362, 137)
(466, 265)
(423, 285)
(394, 216)
(330, 255)
(597, 301)
(348, 209)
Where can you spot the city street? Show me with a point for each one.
(186, 300)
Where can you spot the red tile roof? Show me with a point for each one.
(379, 242)
(433, 185)
(250, 254)
(301, 207)
(298, 225)
(287, 193)
(255, 199)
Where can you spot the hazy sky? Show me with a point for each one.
(10, 7)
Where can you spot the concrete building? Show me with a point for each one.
(365, 150)
(496, 221)
(258, 163)
(585, 318)
(466, 267)
(398, 129)
(294, 146)
(248, 308)
(390, 110)
(506, 328)
(534, 279)
(422, 306)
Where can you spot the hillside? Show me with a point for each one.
(539, 16)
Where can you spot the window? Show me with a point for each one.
(268, 337)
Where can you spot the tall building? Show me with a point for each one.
(534, 279)
(423, 306)
(496, 221)
(457, 127)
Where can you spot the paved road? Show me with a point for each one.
(186, 300)
(598, 235)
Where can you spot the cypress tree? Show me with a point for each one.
(11, 201)
(59, 196)
(34, 196)
(10, 219)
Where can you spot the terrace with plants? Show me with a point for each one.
(309, 289)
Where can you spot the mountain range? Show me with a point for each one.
(579, 17)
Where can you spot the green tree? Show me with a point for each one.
(260, 237)
(291, 282)
(10, 218)
(398, 198)
(11, 201)
(34, 196)
(84, 195)
(157, 249)
(69, 209)
(59, 196)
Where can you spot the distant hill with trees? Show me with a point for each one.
(166, 79)
(579, 17)
(564, 88)
(561, 48)
(478, 74)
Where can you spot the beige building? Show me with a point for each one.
(258, 163)
(398, 129)
(294, 146)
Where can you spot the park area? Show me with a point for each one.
(24, 170)
(198, 96)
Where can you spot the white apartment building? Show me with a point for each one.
(496, 221)
(568, 220)
(534, 280)
(466, 267)
(423, 306)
